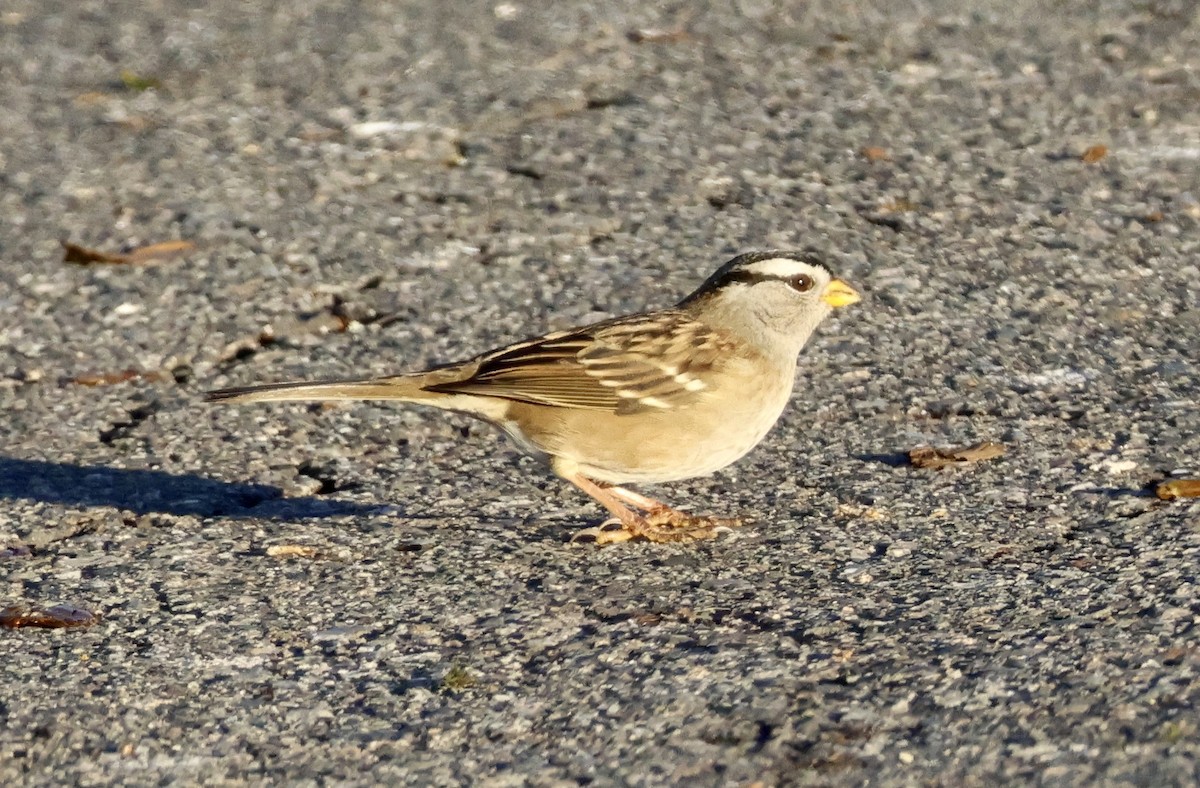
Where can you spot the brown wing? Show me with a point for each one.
(622, 366)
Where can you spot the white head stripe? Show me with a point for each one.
(781, 267)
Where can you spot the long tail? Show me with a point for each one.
(405, 387)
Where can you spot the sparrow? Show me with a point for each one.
(646, 398)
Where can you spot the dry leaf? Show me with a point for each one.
(876, 154)
(1094, 154)
(1178, 488)
(105, 378)
(57, 617)
(122, 376)
(929, 457)
(292, 551)
(82, 255)
(898, 206)
(160, 251)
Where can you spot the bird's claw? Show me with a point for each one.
(660, 525)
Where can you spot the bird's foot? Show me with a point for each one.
(664, 524)
(608, 532)
(661, 524)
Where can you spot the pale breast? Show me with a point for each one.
(657, 445)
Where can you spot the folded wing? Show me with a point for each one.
(624, 365)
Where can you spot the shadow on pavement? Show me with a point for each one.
(159, 492)
(894, 460)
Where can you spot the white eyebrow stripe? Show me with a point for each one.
(781, 267)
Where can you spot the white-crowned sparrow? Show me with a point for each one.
(651, 397)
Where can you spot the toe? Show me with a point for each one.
(613, 536)
(585, 536)
(608, 532)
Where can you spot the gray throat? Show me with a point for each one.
(775, 334)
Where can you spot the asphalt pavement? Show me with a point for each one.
(376, 594)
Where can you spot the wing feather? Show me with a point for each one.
(621, 365)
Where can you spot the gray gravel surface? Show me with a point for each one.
(378, 186)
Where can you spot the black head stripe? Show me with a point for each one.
(751, 278)
(735, 271)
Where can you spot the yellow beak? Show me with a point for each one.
(838, 293)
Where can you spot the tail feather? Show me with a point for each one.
(399, 387)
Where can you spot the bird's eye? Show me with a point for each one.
(801, 283)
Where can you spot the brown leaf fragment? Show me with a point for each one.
(929, 457)
(115, 378)
(164, 250)
(56, 617)
(899, 205)
(82, 255)
(105, 378)
(1178, 488)
(1094, 154)
(292, 551)
(874, 153)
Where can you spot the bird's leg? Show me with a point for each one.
(637, 500)
(661, 523)
(633, 524)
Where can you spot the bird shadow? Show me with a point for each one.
(894, 460)
(158, 492)
(1120, 492)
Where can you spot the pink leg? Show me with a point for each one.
(661, 523)
(637, 499)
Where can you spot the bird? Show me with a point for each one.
(646, 398)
